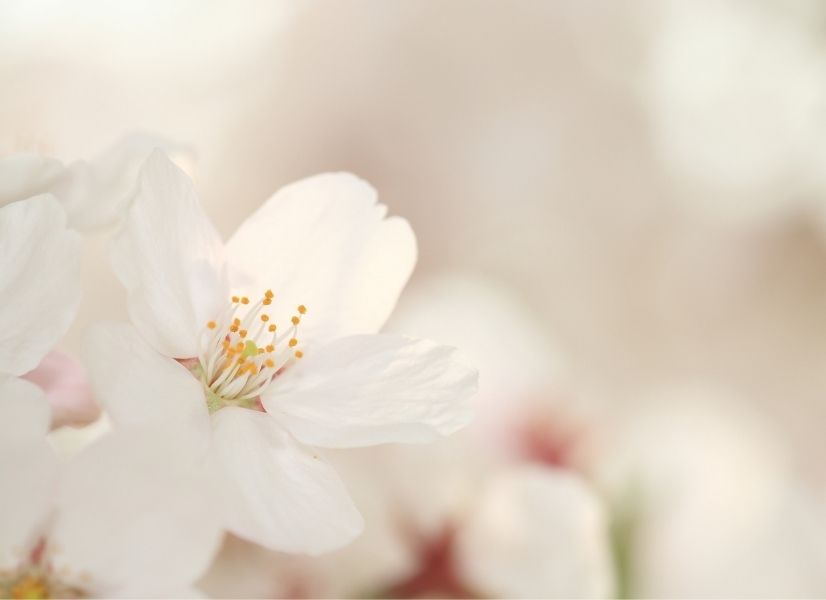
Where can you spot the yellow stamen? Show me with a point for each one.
(30, 586)
(231, 368)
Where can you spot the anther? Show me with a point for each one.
(232, 369)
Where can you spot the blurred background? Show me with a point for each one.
(621, 216)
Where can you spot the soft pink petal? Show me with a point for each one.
(67, 389)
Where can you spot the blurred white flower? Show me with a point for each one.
(124, 519)
(536, 532)
(218, 366)
(94, 193)
(709, 504)
(737, 99)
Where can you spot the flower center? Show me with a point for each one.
(243, 350)
(29, 585)
(36, 577)
(36, 583)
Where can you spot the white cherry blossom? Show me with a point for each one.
(255, 377)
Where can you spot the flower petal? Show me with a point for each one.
(275, 493)
(170, 259)
(138, 386)
(536, 533)
(24, 412)
(26, 175)
(67, 389)
(324, 242)
(39, 281)
(133, 514)
(97, 193)
(372, 389)
(27, 468)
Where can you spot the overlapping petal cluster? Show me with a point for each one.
(242, 362)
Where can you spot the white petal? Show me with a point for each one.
(170, 259)
(26, 175)
(135, 516)
(39, 281)
(372, 389)
(138, 386)
(97, 193)
(536, 533)
(27, 467)
(324, 242)
(24, 411)
(275, 493)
